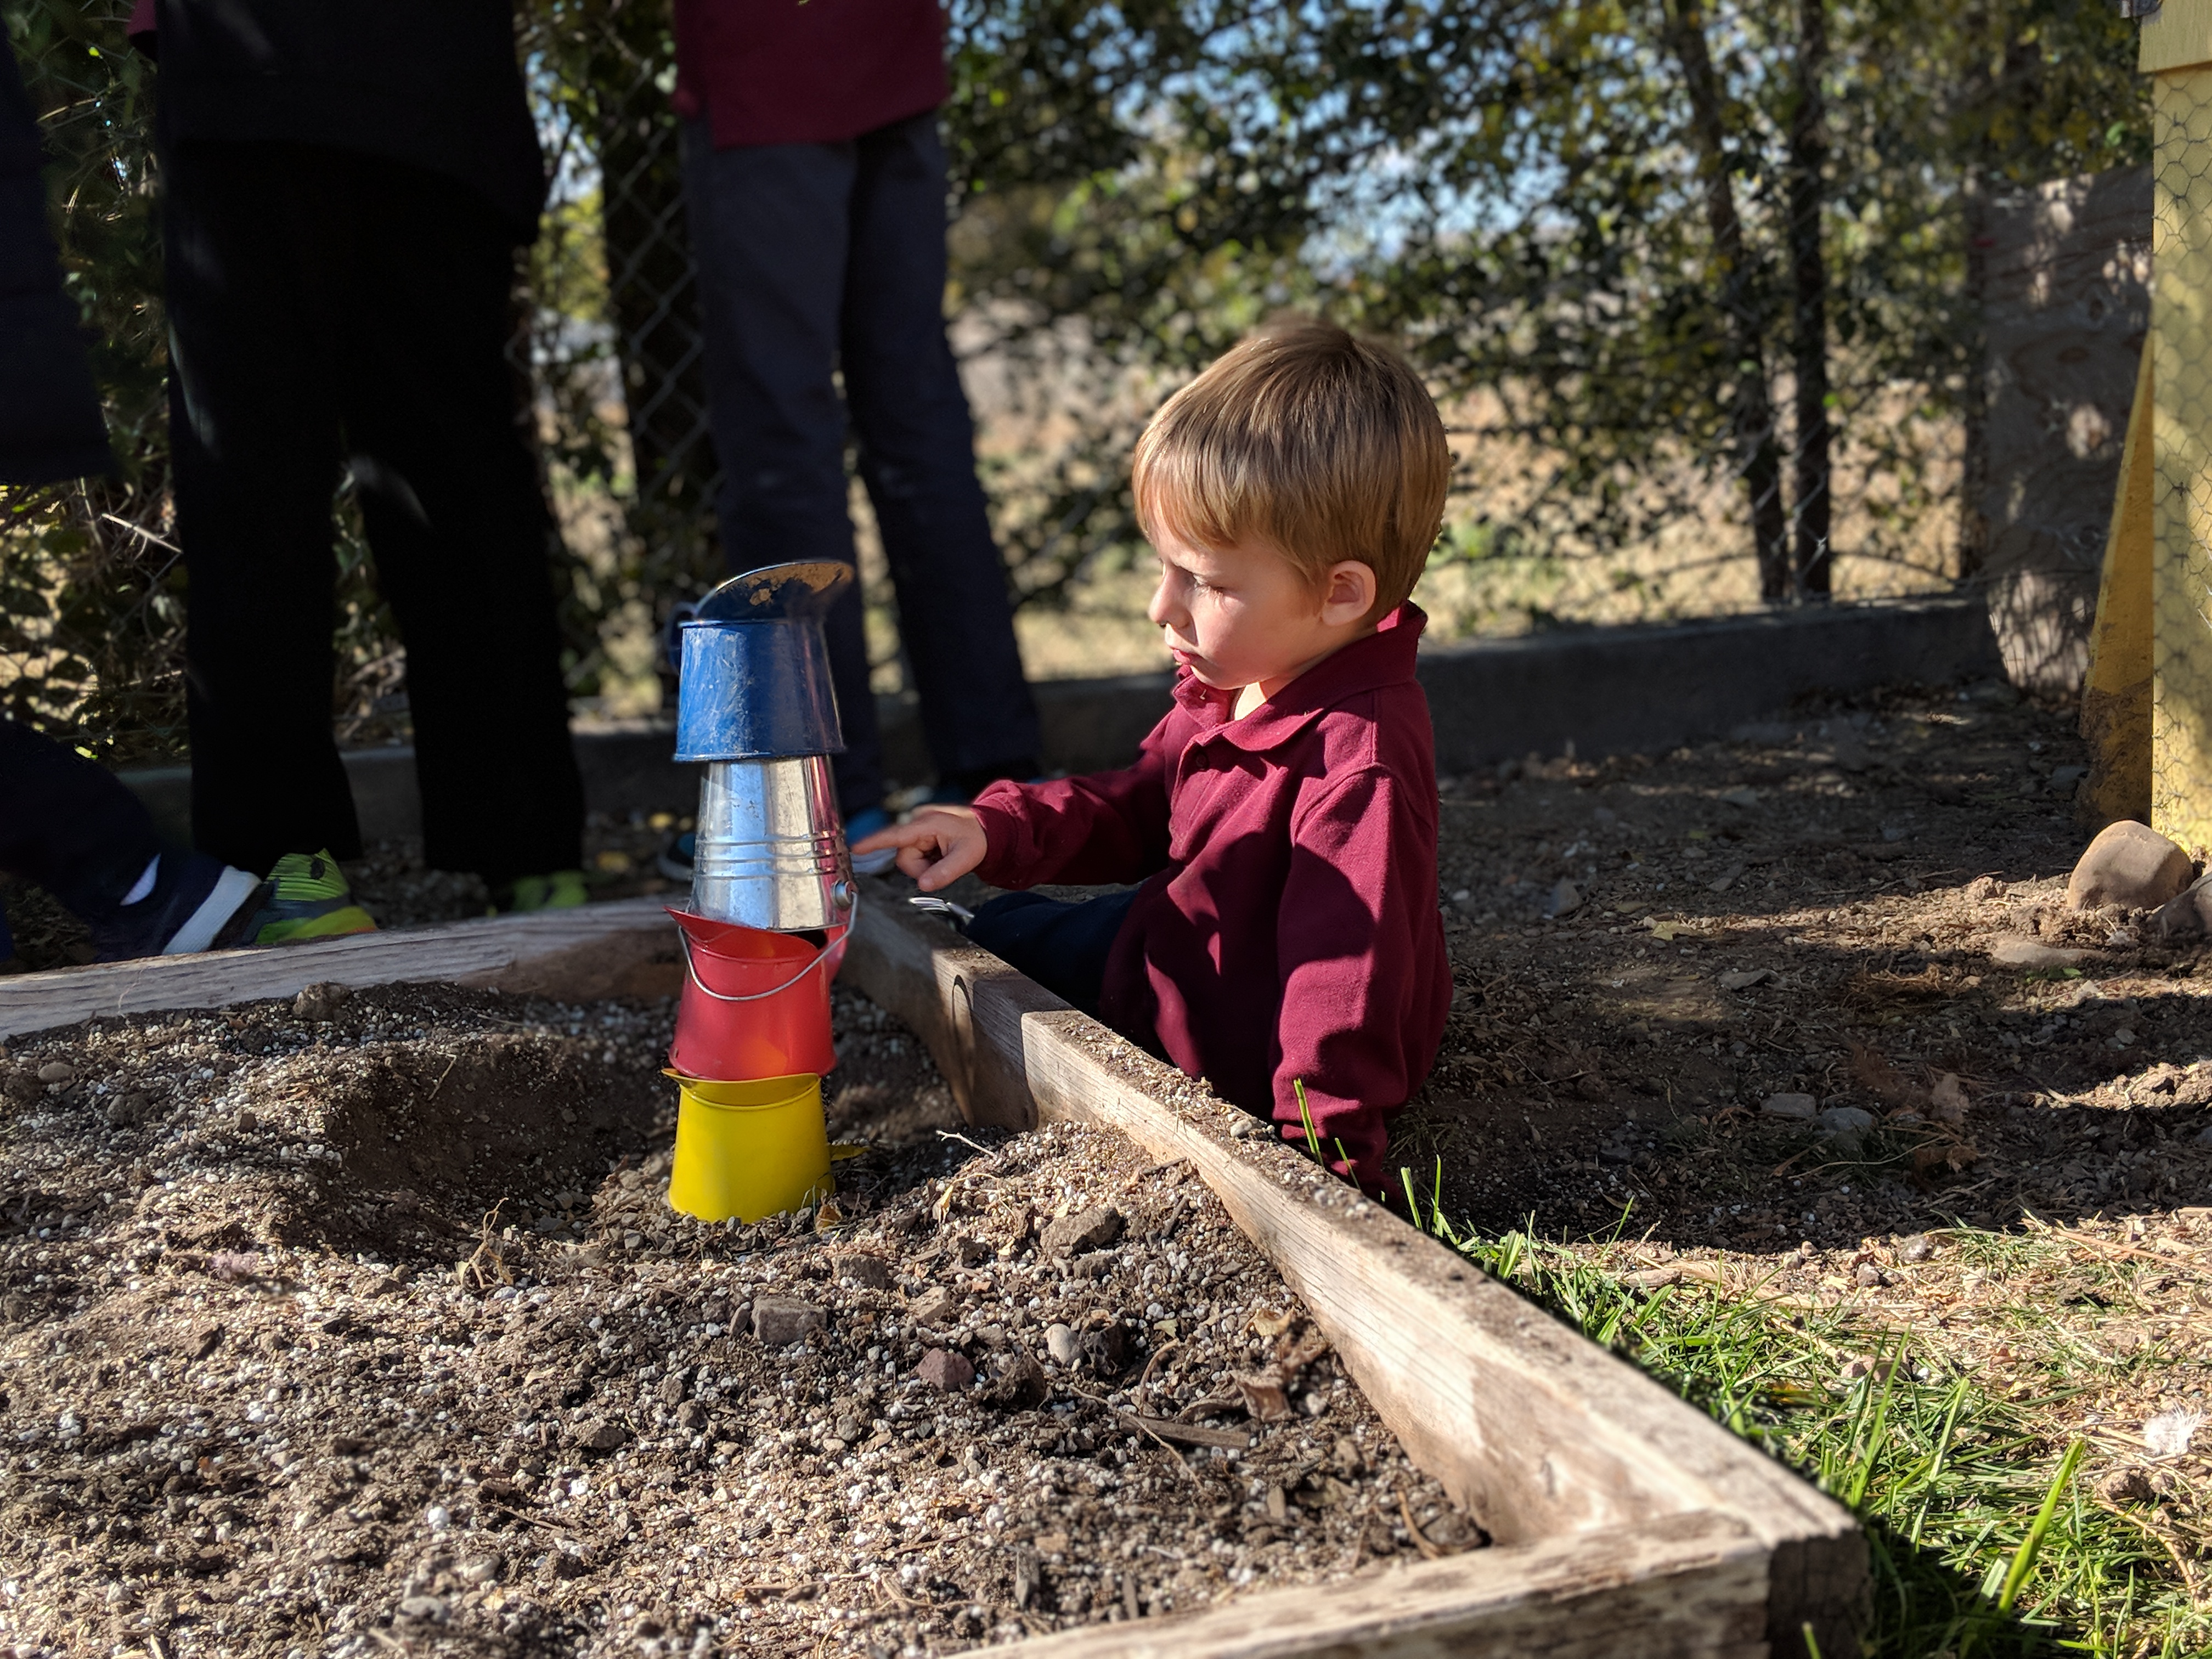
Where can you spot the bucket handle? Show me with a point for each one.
(819, 957)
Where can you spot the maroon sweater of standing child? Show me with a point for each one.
(1286, 928)
(807, 71)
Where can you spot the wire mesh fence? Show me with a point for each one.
(1114, 228)
(2181, 384)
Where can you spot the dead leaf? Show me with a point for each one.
(1265, 1398)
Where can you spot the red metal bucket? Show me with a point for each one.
(755, 1004)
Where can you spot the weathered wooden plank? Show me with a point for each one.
(624, 948)
(1694, 1587)
(1534, 1428)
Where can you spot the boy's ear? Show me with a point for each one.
(1347, 593)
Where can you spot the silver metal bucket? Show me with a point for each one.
(770, 847)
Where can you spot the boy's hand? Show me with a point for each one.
(937, 845)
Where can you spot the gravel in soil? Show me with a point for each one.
(1743, 995)
(361, 1322)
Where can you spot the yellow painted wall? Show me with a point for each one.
(2181, 376)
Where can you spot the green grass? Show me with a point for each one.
(1986, 1540)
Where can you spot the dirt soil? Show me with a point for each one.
(359, 1323)
(1648, 951)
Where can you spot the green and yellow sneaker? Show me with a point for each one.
(563, 889)
(305, 897)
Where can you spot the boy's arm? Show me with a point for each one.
(1356, 949)
(1104, 826)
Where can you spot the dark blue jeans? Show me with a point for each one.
(1059, 943)
(816, 260)
(66, 824)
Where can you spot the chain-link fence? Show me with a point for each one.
(1135, 186)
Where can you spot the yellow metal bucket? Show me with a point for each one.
(750, 1150)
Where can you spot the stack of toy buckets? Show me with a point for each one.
(772, 896)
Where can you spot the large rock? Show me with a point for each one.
(2128, 864)
(1091, 1230)
(778, 1320)
(2186, 915)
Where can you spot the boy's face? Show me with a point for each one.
(1246, 616)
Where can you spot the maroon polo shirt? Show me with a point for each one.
(1286, 928)
(807, 71)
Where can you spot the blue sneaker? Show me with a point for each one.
(674, 860)
(860, 827)
(185, 902)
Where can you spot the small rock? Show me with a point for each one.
(1106, 1352)
(691, 1417)
(1947, 1101)
(2130, 1486)
(779, 1320)
(2015, 952)
(1846, 1123)
(1091, 1229)
(1740, 796)
(1019, 1386)
(599, 1436)
(870, 1271)
(1916, 1247)
(485, 1570)
(933, 1306)
(2128, 863)
(2065, 780)
(429, 1609)
(1802, 1109)
(127, 1111)
(1059, 1342)
(56, 1070)
(321, 1001)
(245, 1122)
(946, 1371)
(1245, 1127)
(973, 1252)
(2186, 915)
(1868, 1276)
(1744, 979)
(1567, 899)
(1981, 889)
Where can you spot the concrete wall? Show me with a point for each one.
(1607, 690)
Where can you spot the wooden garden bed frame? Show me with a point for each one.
(1626, 1522)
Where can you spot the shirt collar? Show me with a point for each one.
(1384, 657)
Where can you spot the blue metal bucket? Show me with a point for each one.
(756, 691)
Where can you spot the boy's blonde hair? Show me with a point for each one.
(1323, 447)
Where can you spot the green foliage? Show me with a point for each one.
(1510, 189)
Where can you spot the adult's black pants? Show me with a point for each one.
(819, 263)
(333, 310)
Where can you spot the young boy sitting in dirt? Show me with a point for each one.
(1283, 942)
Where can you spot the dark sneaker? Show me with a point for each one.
(676, 855)
(305, 897)
(860, 827)
(194, 902)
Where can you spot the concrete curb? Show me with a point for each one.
(1607, 690)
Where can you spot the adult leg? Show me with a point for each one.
(918, 457)
(768, 225)
(67, 824)
(419, 275)
(253, 438)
